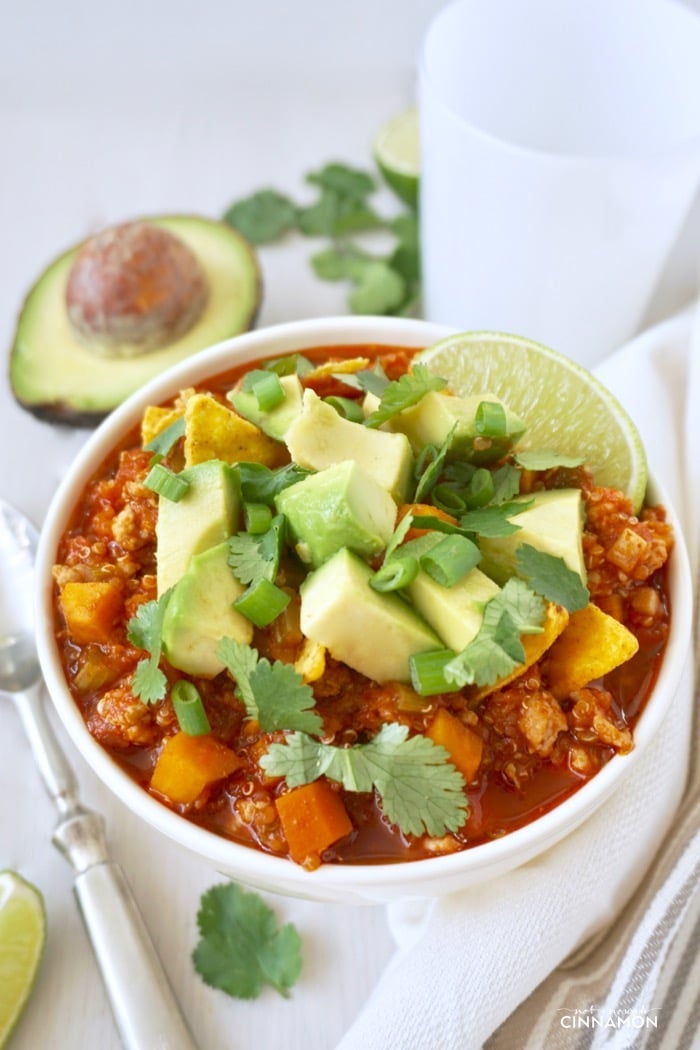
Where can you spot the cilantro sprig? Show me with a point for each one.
(381, 282)
(551, 577)
(497, 649)
(240, 947)
(419, 789)
(273, 694)
(256, 556)
(144, 630)
(405, 392)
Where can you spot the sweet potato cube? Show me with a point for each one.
(535, 646)
(465, 747)
(213, 431)
(592, 644)
(313, 817)
(91, 609)
(188, 764)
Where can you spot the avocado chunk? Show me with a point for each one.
(430, 421)
(371, 632)
(340, 506)
(200, 613)
(553, 524)
(320, 437)
(207, 514)
(54, 373)
(275, 422)
(455, 613)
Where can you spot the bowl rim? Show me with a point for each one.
(362, 881)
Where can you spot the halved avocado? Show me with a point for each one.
(57, 377)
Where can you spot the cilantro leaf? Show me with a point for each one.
(340, 263)
(370, 380)
(497, 649)
(404, 392)
(335, 214)
(493, 520)
(241, 947)
(275, 695)
(255, 557)
(545, 459)
(552, 578)
(419, 789)
(262, 217)
(506, 483)
(260, 484)
(379, 290)
(144, 630)
(344, 180)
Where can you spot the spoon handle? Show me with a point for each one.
(143, 1004)
(57, 775)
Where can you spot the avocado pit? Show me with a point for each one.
(134, 288)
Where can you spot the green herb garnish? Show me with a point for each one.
(420, 790)
(551, 577)
(497, 648)
(405, 392)
(144, 630)
(240, 946)
(272, 693)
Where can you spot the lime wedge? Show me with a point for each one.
(397, 153)
(22, 938)
(564, 406)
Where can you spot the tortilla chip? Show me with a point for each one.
(535, 646)
(213, 431)
(593, 644)
(155, 420)
(346, 366)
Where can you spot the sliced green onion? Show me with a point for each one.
(163, 443)
(449, 499)
(427, 672)
(450, 560)
(257, 516)
(262, 602)
(346, 407)
(265, 388)
(189, 709)
(168, 485)
(490, 420)
(481, 489)
(394, 574)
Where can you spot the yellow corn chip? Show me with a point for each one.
(535, 646)
(593, 644)
(344, 367)
(155, 420)
(213, 431)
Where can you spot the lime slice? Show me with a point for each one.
(397, 153)
(22, 938)
(564, 406)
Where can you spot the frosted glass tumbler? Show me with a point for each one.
(560, 154)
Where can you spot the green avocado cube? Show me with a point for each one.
(553, 525)
(455, 613)
(431, 420)
(208, 513)
(373, 633)
(340, 506)
(200, 613)
(276, 421)
(320, 437)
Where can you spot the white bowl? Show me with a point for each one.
(356, 883)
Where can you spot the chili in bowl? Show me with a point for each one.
(316, 617)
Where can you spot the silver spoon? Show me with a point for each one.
(145, 1009)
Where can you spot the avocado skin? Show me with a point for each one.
(232, 267)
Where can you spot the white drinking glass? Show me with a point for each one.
(560, 154)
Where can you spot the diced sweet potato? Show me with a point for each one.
(91, 609)
(188, 764)
(213, 431)
(592, 644)
(464, 745)
(313, 817)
